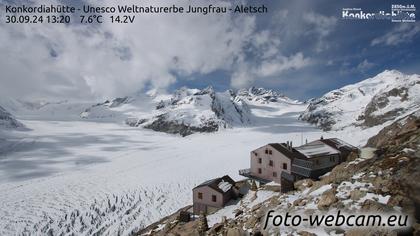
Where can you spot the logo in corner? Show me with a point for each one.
(398, 13)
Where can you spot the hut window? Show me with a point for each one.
(274, 174)
(200, 195)
(266, 151)
(259, 171)
(259, 160)
(271, 163)
(332, 159)
(213, 198)
(284, 166)
(270, 152)
(256, 154)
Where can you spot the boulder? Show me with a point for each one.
(374, 206)
(357, 194)
(299, 202)
(303, 184)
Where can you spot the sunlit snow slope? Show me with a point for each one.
(383, 98)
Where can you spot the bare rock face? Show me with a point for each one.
(162, 124)
(381, 101)
(321, 118)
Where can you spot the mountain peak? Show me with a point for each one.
(8, 121)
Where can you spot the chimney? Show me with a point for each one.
(291, 145)
(287, 144)
(322, 137)
(306, 141)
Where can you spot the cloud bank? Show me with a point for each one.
(112, 59)
(298, 46)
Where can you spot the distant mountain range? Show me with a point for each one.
(187, 110)
(386, 97)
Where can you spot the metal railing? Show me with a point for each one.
(301, 171)
(245, 172)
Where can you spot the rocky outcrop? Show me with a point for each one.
(162, 124)
(374, 101)
(7, 121)
(322, 119)
(373, 115)
(263, 95)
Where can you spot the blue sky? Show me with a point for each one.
(348, 56)
(302, 48)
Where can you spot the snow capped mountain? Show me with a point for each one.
(369, 103)
(192, 110)
(374, 101)
(263, 96)
(184, 112)
(7, 121)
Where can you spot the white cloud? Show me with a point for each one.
(365, 65)
(275, 66)
(402, 33)
(108, 60)
(321, 26)
(280, 64)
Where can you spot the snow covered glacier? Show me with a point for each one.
(79, 168)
